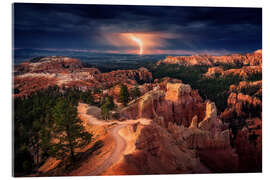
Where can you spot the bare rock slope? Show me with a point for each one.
(184, 134)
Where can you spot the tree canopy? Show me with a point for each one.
(107, 105)
(135, 92)
(67, 129)
(46, 124)
(124, 95)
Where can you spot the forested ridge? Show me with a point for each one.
(215, 89)
(46, 124)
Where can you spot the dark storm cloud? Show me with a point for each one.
(82, 26)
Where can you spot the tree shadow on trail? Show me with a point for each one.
(66, 165)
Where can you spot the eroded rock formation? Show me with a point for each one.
(243, 72)
(69, 72)
(244, 114)
(180, 149)
(178, 104)
(251, 59)
(242, 105)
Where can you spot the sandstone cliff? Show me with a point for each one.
(200, 148)
(241, 105)
(243, 72)
(178, 104)
(251, 59)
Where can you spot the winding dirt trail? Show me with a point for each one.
(120, 146)
(120, 143)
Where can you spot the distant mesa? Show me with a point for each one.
(252, 59)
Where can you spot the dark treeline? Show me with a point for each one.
(113, 66)
(215, 89)
(46, 124)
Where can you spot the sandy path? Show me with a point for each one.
(82, 111)
(120, 142)
(120, 146)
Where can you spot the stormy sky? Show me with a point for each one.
(162, 30)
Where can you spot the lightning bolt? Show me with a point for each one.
(139, 42)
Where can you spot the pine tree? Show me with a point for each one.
(124, 95)
(135, 92)
(68, 129)
(105, 111)
(107, 105)
(86, 97)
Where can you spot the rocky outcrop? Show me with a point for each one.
(50, 64)
(195, 60)
(177, 91)
(144, 106)
(250, 153)
(162, 83)
(123, 76)
(210, 139)
(69, 72)
(252, 88)
(242, 106)
(243, 72)
(178, 104)
(158, 153)
(144, 88)
(23, 86)
(194, 122)
(209, 133)
(115, 90)
(200, 148)
(210, 122)
(244, 115)
(214, 71)
(250, 59)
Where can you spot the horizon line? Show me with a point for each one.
(173, 52)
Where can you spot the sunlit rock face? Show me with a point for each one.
(209, 133)
(188, 60)
(178, 104)
(176, 92)
(199, 148)
(243, 85)
(243, 72)
(159, 153)
(251, 59)
(50, 64)
(185, 103)
(239, 103)
(194, 122)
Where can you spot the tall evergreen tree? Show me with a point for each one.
(86, 97)
(124, 95)
(68, 129)
(135, 92)
(107, 105)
